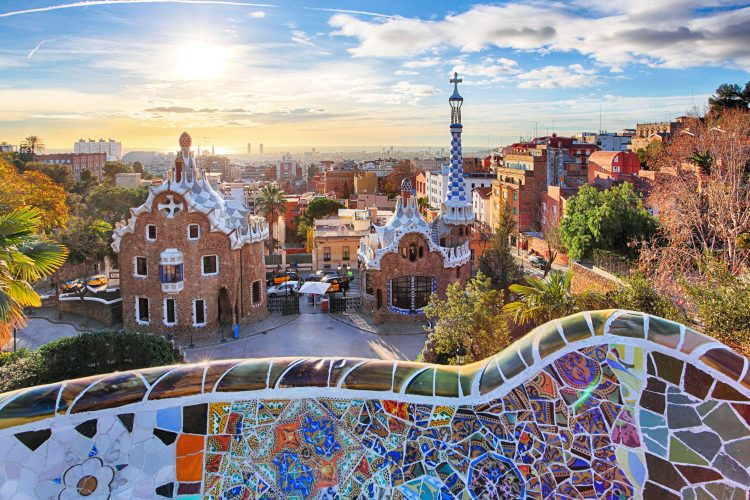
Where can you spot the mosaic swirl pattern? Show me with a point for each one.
(608, 404)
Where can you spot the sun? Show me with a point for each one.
(201, 61)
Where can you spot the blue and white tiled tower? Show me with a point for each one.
(456, 209)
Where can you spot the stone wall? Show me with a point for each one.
(585, 278)
(107, 312)
(608, 404)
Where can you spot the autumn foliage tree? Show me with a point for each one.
(33, 189)
(702, 196)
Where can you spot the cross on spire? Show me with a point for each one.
(456, 79)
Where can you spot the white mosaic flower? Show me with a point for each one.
(89, 479)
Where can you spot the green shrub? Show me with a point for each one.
(83, 355)
(639, 294)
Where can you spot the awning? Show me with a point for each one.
(316, 287)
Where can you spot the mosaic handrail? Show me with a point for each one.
(419, 382)
(599, 404)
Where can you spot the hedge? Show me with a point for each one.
(83, 355)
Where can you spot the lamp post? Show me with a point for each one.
(460, 355)
(14, 339)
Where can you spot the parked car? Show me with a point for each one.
(276, 278)
(338, 283)
(319, 275)
(282, 289)
(96, 280)
(537, 261)
(71, 285)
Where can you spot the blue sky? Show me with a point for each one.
(371, 74)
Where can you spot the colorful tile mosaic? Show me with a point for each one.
(604, 405)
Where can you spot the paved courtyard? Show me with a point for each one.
(308, 334)
(315, 335)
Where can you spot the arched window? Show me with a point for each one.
(413, 252)
(380, 298)
(411, 292)
(422, 291)
(401, 292)
(421, 251)
(404, 251)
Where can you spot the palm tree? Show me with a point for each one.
(271, 204)
(703, 160)
(34, 143)
(542, 300)
(24, 259)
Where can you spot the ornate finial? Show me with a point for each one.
(456, 101)
(455, 81)
(185, 140)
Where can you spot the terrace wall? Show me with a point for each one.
(601, 404)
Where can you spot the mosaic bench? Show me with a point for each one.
(606, 404)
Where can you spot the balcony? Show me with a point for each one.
(175, 287)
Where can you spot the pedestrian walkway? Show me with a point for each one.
(225, 334)
(314, 335)
(363, 321)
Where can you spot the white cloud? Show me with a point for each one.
(402, 72)
(497, 69)
(426, 62)
(408, 88)
(670, 33)
(299, 36)
(258, 14)
(33, 51)
(94, 3)
(558, 77)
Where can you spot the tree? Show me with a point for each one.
(423, 202)
(320, 208)
(84, 355)
(722, 300)
(553, 241)
(137, 167)
(33, 189)
(542, 300)
(472, 318)
(24, 259)
(34, 144)
(88, 242)
(112, 168)
(639, 294)
(60, 174)
(302, 229)
(270, 203)
(702, 194)
(609, 220)
(113, 204)
(729, 96)
(645, 156)
(497, 262)
(85, 183)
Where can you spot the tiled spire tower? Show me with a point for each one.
(456, 208)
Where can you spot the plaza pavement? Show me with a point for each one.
(308, 334)
(311, 334)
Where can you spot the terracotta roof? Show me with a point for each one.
(484, 192)
(603, 158)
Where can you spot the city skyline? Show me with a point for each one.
(355, 74)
